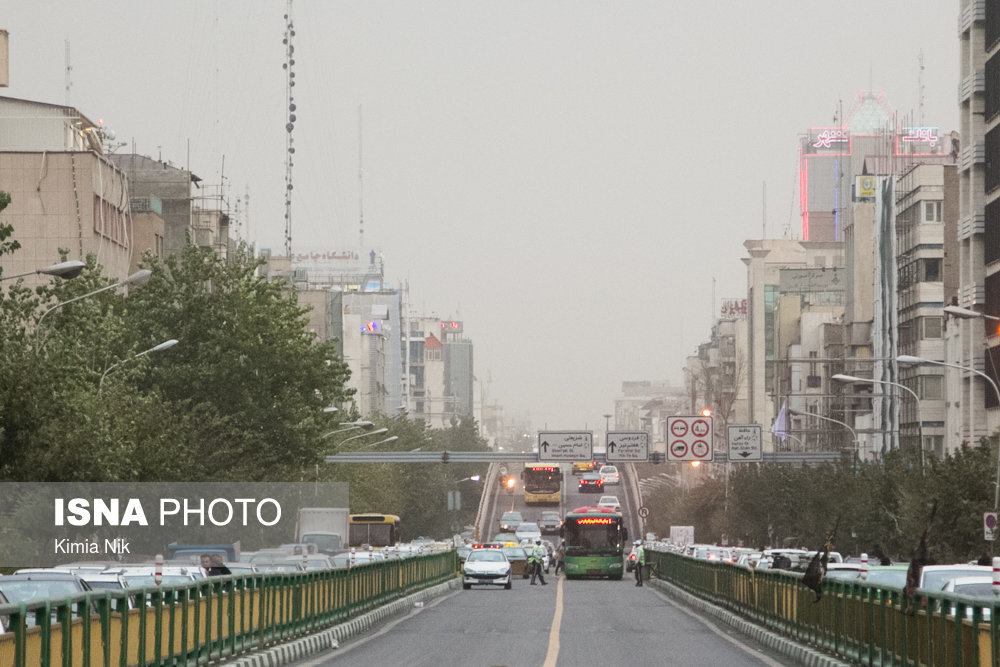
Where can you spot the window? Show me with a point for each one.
(932, 211)
(931, 387)
(930, 269)
(931, 327)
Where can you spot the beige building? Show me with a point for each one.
(65, 194)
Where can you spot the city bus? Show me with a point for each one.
(542, 483)
(374, 530)
(596, 541)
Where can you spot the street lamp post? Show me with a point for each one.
(378, 431)
(840, 377)
(854, 433)
(908, 359)
(138, 278)
(352, 426)
(157, 348)
(70, 269)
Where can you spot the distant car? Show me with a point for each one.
(973, 587)
(591, 482)
(506, 538)
(518, 558)
(488, 567)
(580, 467)
(528, 531)
(38, 586)
(934, 577)
(550, 523)
(509, 521)
(610, 502)
(632, 559)
(610, 475)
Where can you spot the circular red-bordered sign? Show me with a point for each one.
(699, 449)
(700, 428)
(679, 449)
(678, 428)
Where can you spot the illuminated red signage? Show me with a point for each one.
(595, 521)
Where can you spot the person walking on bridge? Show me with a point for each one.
(535, 561)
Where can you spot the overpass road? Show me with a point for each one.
(579, 622)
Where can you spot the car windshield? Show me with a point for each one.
(550, 516)
(609, 470)
(30, 590)
(487, 555)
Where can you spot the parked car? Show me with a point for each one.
(489, 567)
(550, 523)
(609, 474)
(509, 521)
(973, 587)
(934, 577)
(36, 586)
(610, 502)
(591, 482)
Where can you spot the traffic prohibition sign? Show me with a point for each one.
(679, 448)
(700, 428)
(699, 449)
(679, 428)
(643, 512)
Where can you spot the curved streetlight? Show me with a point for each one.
(157, 348)
(908, 359)
(966, 314)
(854, 434)
(138, 278)
(351, 426)
(70, 269)
(840, 377)
(378, 431)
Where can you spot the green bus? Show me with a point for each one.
(595, 540)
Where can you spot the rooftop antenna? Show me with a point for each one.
(920, 89)
(290, 125)
(69, 73)
(361, 181)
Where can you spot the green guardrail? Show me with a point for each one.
(207, 620)
(856, 621)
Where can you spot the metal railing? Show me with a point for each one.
(857, 621)
(207, 620)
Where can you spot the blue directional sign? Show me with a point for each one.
(565, 446)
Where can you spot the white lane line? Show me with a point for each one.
(553, 653)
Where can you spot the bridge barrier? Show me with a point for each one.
(207, 620)
(853, 620)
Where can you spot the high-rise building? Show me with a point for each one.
(972, 413)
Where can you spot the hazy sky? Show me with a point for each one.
(567, 177)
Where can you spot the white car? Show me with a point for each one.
(610, 475)
(528, 531)
(487, 567)
(610, 502)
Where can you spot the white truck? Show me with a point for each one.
(326, 527)
(682, 535)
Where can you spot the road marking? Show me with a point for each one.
(711, 626)
(553, 653)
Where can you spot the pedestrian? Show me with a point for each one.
(535, 561)
(561, 557)
(216, 566)
(640, 560)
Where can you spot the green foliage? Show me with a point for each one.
(887, 504)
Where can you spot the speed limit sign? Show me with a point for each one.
(643, 512)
